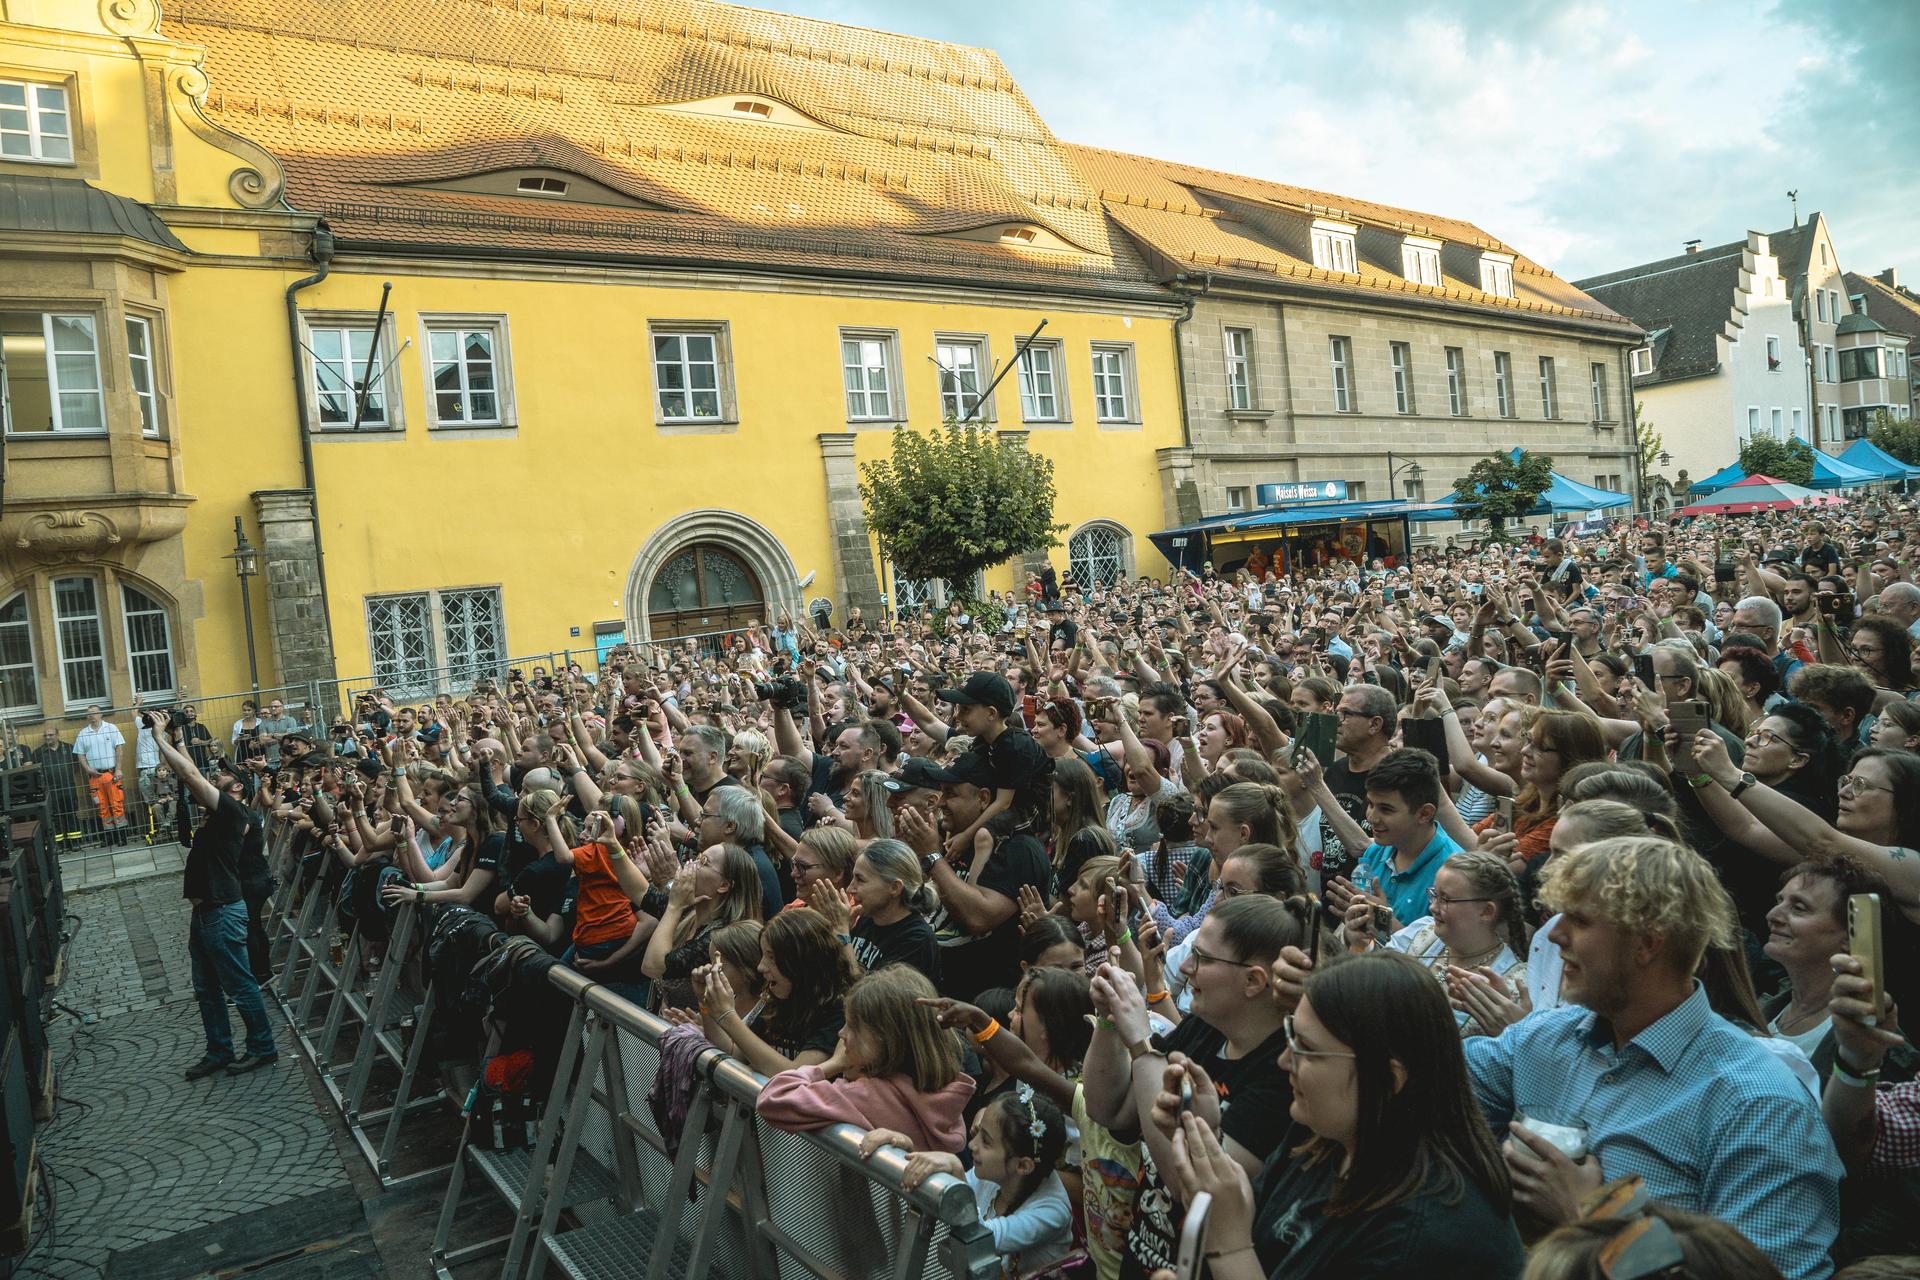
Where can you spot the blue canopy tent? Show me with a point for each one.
(1869, 456)
(1732, 473)
(1829, 472)
(1301, 531)
(1561, 495)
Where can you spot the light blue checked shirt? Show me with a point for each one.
(1693, 1104)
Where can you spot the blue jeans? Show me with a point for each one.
(217, 944)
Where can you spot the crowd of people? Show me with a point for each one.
(1533, 907)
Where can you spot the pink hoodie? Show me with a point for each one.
(803, 1099)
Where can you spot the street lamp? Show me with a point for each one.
(1415, 473)
(246, 563)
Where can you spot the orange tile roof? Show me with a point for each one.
(917, 139)
(1254, 231)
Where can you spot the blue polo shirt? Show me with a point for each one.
(1406, 890)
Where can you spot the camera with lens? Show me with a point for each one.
(782, 692)
(178, 720)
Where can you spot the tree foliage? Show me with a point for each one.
(1899, 437)
(1650, 442)
(1501, 487)
(955, 500)
(1789, 460)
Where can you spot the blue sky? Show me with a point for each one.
(1591, 134)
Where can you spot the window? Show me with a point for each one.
(540, 186)
(1239, 368)
(346, 364)
(1799, 423)
(1861, 362)
(1456, 382)
(910, 594)
(82, 641)
(1549, 389)
(747, 107)
(961, 378)
(1496, 275)
(1041, 395)
(470, 621)
(1503, 383)
(149, 643)
(1401, 358)
(466, 376)
(1773, 352)
(1333, 246)
(1420, 261)
(1753, 422)
(1641, 361)
(867, 363)
(140, 373)
(1833, 305)
(686, 377)
(1237, 497)
(34, 122)
(401, 630)
(1113, 383)
(1820, 305)
(1097, 556)
(1357, 491)
(19, 681)
(1341, 354)
(1775, 420)
(1833, 423)
(50, 373)
(1597, 378)
(401, 637)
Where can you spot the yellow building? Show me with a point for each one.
(661, 275)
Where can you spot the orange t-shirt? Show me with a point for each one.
(1534, 841)
(602, 911)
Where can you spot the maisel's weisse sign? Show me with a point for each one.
(1272, 495)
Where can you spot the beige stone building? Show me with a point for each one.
(1339, 340)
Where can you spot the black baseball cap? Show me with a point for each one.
(917, 771)
(982, 688)
(969, 770)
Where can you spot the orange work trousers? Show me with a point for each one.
(109, 801)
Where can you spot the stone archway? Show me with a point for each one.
(730, 531)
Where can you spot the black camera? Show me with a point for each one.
(177, 721)
(782, 692)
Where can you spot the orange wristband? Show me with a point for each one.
(993, 1029)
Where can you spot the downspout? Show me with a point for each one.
(1179, 356)
(322, 252)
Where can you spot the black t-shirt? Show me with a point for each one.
(1016, 763)
(726, 780)
(1349, 787)
(1437, 1233)
(1081, 845)
(823, 780)
(1255, 1097)
(491, 857)
(820, 1032)
(543, 882)
(908, 940)
(1825, 556)
(970, 965)
(214, 862)
(256, 879)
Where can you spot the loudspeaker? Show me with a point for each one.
(16, 1137)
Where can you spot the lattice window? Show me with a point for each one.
(912, 593)
(1097, 556)
(19, 683)
(82, 640)
(149, 643)
(470, 621)
(400, 635)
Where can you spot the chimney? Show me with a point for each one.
(1693, 246)
(1890, 277)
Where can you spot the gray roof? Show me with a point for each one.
(1688, 297)
(1897, 310)
(30, 202)
(1859, 322)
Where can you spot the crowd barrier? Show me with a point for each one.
(601, 1190)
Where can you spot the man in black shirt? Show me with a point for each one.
(217, 939)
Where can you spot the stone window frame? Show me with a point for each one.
(82, 160)
(1400, 363)
(1130, 385)
(1057, 352)
(986, 410)
(1459, 402)
(889, 340)
(1249, 381)
(431, 322)
(387, 343)
(97, 313)
(721, 331)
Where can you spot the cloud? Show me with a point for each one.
(1591, 135)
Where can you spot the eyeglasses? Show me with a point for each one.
(1440, 899)
(1854, 784)
(1348, 713)
(1293, 1045)
(1764, 738)
(1201, 957)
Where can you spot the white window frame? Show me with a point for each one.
(1753, 421)
(1820, 305)
(1798, 418)
(1340, 364)
(463, 662)
(1031, 410)
(442, 655)
(1549, 389)
(67, 661)
(888, 341)
(720, 334)
(1640, 361)
(1773, 353)
(1113, 373)
(1239, 348)
(1121, 560)
(24, 597)
(495, 326)
(1496, 274)
(1833, 423)
(143, 372)
(36, 130)
(154, 607)
(1777, 422)
(1333, 247)
(1503, 384)
(1239, 497)
(1400, 356)
(56, 390)
(946, 348)
(386, 373)
(1597, 380)
(1457, 381)
(1420, 261)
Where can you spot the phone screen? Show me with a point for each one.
(1643, 669)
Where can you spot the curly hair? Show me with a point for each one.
(1646, 886)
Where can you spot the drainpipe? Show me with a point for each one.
(1205, 279)
(322, 252)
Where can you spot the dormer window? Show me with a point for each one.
(1496, 274)
(748, 107)
(1019, 235)
(34, 122)
(536, 185)
(1641, 361)
(1333, 245)
(1420, 260)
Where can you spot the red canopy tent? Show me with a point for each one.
(1759, 493)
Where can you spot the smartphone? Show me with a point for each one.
(1863, 943)
(1843, 611)
(1428, 734)
(1560, 638)
(1689, 717)
(1643, 670)
(1723, 571)
(1403, 593)
(1433, 670)
(1193, 1238)
(1503, 813)
(1316, 735)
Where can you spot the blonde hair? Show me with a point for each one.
(742, 900)
(1610, 819)
(739, 944)
(1648, 887)
(754, 746)
(906, 1039)
(538, 803)
(1723, 699)
(1489, 877)
(1098, 869)
(1264, 809)
(837, 849)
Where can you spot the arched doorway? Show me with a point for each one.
(702, 588)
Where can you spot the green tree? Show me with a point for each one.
(1899, 437)
(955, 500)
(1789, 460)
(1651, 444)
(1501, 487)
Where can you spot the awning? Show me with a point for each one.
(1733, 473)
(1868, 456)
(1279, 520)
(1759, 493)
(1830, 472)
(1562, 494)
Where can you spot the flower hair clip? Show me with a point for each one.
(1035, 1127)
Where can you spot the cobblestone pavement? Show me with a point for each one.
(136, 1153)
